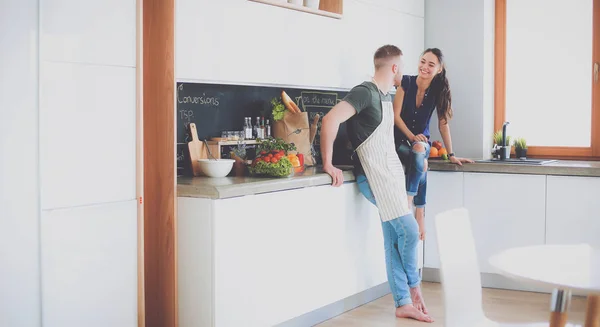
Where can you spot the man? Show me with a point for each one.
(379, 174)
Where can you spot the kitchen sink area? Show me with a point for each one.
(518, 161)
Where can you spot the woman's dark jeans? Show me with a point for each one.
(416, 175)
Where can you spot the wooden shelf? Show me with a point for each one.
(327, 8)
(248, 142)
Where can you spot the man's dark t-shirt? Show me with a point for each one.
(366, 99)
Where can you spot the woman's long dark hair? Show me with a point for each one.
(441, 88)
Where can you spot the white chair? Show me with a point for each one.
(460, 275)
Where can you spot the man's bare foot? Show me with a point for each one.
(417, 299)
(409, 311)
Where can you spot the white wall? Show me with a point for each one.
(68, 223)
(248, 42)
(464, 31)
(19, 185)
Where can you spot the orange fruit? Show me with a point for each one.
(442, 152)
(433, 153)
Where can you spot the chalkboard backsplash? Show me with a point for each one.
(222, 107)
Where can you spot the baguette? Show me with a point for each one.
(289, 104)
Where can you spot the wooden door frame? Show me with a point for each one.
(141, 318)
(156, 166)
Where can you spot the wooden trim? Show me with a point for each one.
(559, 150)
(592, 311)
(330, 9)
(596, 85)
(140, 161)
(334, 6)
(499, 64)
(500, 91)
(159, 164)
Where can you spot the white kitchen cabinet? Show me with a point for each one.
(506, 210)
(444, 192)
(89, 32)
(277, 256)
(87, 134)
(89, 266)
(572, 214)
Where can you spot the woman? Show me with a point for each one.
(414, 104)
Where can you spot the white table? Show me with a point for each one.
(564, 267)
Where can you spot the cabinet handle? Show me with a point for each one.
(595, 72)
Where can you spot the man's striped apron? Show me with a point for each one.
(383, 169)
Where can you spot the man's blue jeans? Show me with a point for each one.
(401, 239)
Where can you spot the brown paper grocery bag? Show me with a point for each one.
(294, 128)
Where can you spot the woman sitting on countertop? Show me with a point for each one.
(414, 103)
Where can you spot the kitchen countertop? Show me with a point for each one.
(228, 187)
(560, 167)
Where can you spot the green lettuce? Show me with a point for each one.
(278, 109)
(282, 168)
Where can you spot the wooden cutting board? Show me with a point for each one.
(196, 147)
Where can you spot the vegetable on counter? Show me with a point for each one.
(273, 158)
(278, 144)
(271, 166)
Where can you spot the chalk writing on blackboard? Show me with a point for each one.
(311, 99)
(212, 101)
(180, 155)
(186, 116)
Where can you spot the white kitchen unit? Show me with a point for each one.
(270, 259)
(87, 163)
(572, 215)
(89, 266)
(507, 210)
(444, 192)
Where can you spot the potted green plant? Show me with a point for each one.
(498, 139)
(501, 150)
(520, 147)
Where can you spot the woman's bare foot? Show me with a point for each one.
(417, 299)
(420, 216)
(409, 311)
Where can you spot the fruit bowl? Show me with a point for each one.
(216, 167)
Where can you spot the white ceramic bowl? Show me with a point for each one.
(216, 168)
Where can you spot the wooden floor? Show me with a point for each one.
(500, 305)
